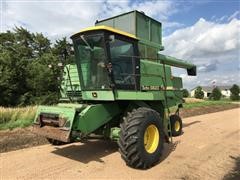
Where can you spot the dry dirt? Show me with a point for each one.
(206, 109)
(208, 149)
(19, 138)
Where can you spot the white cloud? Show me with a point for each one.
(213, 47)
(62, 18)
(51, 18)
(208, 67)
(204, 39)
(160, 9)
(188, 79)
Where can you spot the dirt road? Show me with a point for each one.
(208, 149)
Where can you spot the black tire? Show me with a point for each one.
(55, 142)
(132, 135)
(176, 125)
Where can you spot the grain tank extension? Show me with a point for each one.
(120, 88)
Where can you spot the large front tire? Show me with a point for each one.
(141, 138)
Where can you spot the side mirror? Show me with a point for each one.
(192, 71)
(71, 51)
(65, 53)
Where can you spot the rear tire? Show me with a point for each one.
(55, 142)
(176, 125)
(141, 138)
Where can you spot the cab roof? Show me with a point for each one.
(106, 28)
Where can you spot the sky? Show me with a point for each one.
(206, 33)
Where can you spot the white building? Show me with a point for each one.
(207, 90)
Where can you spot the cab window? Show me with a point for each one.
(123, 63)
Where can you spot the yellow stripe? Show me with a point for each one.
(108, 29)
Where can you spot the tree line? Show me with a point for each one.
(29, 71)
(216, 93)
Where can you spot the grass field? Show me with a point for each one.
(11, 118)
(191, 103)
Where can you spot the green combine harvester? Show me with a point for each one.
(121, 88)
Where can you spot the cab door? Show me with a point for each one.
(125, 63)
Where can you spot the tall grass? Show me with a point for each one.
(16, 117)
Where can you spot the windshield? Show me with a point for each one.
(92, 58)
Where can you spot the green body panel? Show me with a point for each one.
(146, 29)
(78, 117)
(151, 96)
(70, 86)
(66, 111)
(94, 116)
(76, 106)
(177, 83)
(137, 95)
(100, 95)
(152, 74)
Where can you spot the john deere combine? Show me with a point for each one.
(120, 88)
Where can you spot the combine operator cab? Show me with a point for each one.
(106, 60)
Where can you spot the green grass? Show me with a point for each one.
(206, 103)
(11, 118)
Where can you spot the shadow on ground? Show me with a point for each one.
(190, 124)
(87, 152)
(235, 173)
(97, 149)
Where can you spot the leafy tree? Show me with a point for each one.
(216, 94)
(13, 59)
(41, 45)
(43, 83)
(235, 92)
(29, 67)
(185, 93)
(199, 94)
(63, 49)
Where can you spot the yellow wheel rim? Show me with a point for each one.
(151, 138)
(177, 126)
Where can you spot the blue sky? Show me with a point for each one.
(190, 11)
(206, 33)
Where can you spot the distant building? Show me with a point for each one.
(225, 90)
